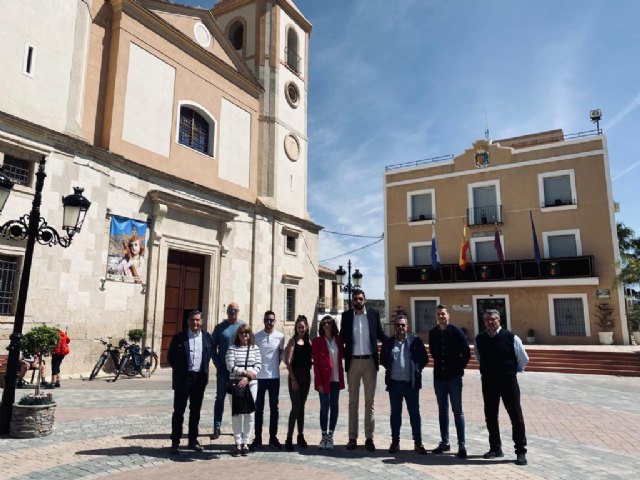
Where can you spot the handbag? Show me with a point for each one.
(232, 384)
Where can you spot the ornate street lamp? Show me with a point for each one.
(33, 227)
(349, 287)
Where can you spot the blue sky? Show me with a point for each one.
(403, 80)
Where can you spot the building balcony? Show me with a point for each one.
(488, 215)
(508, 271)
(327, 303)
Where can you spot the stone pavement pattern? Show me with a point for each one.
(578, 426)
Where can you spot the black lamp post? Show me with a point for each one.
(33, 227)
(349, 287)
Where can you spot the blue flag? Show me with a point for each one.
(435, 255)
(536, 248)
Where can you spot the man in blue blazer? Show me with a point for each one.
(361, 329)
(189, 356)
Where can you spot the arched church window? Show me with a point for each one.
(292, 49)
(236, 35)
(195, 131)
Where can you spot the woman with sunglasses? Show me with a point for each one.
(243, 362)
(297, 357)
(328, 354)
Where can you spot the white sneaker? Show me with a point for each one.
(323, 442)
(329, 442)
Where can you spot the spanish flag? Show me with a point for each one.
(464, 247)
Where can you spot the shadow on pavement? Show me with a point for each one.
(163, 452)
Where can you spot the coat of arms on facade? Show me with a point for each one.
(482, 158)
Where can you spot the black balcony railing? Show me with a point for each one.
(488, 215)
(558, 202)
(293, 60)
(571, 267)
(420, 218)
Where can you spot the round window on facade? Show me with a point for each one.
(293, 94)
(292, 147)
(202, 35)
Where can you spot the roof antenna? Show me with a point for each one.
(486, 128)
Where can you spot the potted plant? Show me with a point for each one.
(633, 317)
(135, 335)
(531, 336)
(606, 321)
(32, 416)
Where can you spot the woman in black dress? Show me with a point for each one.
(298, 362)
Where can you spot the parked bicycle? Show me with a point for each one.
(137, 361)
(111, 351)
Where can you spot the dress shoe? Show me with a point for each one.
(521, 459)
(57, 384)
(174, 448)
(394, 448)
(236, 451)
(351, 444)
(443, 447)
(274, 442)
(216, 434)
(302, 443)
(195, 446)
(256, 444)
(288, 444)
(244, 451)
(419, 448)
(369, 445)
(462, 452)
(493, 454)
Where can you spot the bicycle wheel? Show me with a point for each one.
(149, 365)
(98, 366)
(123, 364)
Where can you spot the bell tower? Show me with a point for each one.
(272, 37)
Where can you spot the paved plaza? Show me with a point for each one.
(578, 427)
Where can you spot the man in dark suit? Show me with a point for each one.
(189, 356)
(361, 329)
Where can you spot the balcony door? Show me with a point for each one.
(497, 302)
(485, 202)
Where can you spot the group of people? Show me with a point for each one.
(252, 361)
(32, 363)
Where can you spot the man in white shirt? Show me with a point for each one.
(361, 330)
(270, 342)
(189, 356)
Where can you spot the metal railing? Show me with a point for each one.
(293, 60)
(488, 215)
(417, 163)
(558, 202)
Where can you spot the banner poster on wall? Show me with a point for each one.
(126, 259)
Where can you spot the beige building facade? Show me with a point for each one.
(558, 184)
(189, 121)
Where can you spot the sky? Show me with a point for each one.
(394, 81)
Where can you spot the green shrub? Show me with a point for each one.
(40, 341)
(136, 334)
(32, 399)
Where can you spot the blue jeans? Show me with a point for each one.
(445, 390)
(222, 377)
(329, 401)
(399, 391)
(271, 385)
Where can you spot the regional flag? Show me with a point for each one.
(464, 247)
(536, 248)
(498, 246)
(435, 255)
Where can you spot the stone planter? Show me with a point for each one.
(606, 338)
(30, 421)
(636, 337)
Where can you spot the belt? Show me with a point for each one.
(360, 357)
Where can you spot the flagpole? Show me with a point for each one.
(501, 261)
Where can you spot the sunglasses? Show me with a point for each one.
(233, 310)
(245, 333)
(325, 323)
(269, 320)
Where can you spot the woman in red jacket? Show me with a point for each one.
(328, 353)
(58, 354)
